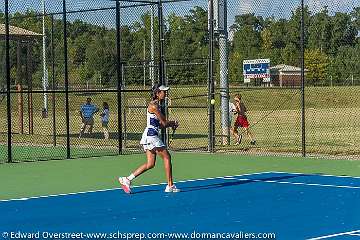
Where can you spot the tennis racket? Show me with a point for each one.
(176, 125)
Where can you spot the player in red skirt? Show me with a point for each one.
(241, 121)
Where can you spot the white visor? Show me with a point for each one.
(163, 88)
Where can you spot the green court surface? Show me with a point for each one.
(18, 180)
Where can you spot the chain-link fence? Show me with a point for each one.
(267, 35)
(3, 93)
(114, 51)
(332, 94)
(272, 30)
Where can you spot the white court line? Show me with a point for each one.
(300, 183)
(112, 189)
(355, 234)
(322, 175)
(234, 177)
(335, 235)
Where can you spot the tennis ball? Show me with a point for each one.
(212, 101)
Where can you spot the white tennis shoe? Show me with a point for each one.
(125, 184)
(172, 188)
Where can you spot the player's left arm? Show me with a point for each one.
(81, 114)
(163, 122)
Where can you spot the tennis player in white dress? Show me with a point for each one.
(152, 143)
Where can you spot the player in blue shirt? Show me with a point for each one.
(87, 112)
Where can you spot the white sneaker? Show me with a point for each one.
(172, 188)
(125, 184)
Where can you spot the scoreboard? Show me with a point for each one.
(257, 68)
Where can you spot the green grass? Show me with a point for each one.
(33, 152)
(66, 176)
(332, 125)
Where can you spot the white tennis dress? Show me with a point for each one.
(150, 138)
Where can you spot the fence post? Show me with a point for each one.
(53, 80)
(161, 63)
(66, 85)
(302, 42)
(8, 80)
(119, 78)
(211, 94)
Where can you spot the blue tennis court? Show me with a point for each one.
(290, 205)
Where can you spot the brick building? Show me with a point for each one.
(285, 76)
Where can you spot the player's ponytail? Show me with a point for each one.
(154, 91)
(154, 96)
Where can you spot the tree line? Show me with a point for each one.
(332, 47)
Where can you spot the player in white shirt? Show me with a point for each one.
(152, 143)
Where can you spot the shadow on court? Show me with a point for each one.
(229, 183)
